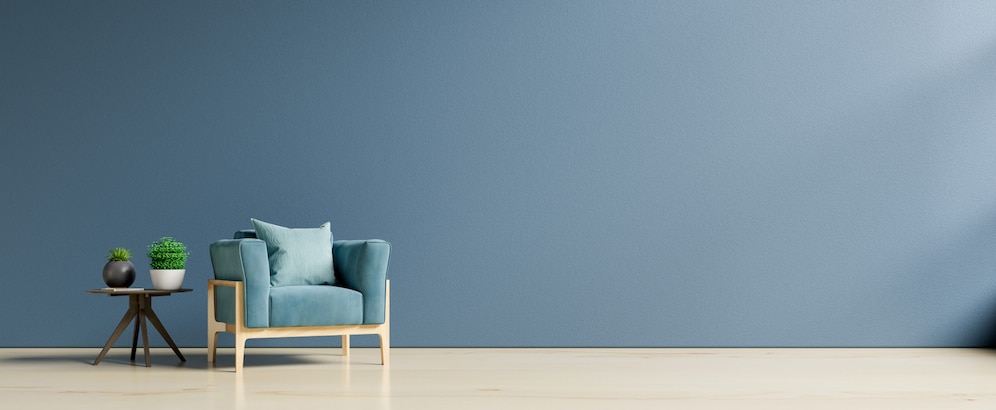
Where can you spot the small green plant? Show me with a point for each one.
(167, 253)
(118, 255)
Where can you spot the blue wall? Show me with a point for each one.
(551, 173)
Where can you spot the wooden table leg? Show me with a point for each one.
(151, 315)
(132, 312)
(143, 303)
(133, 301)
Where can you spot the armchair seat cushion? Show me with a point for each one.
(315, 306)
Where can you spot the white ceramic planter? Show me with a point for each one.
(167, 279)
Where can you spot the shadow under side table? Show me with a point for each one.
(140, 308)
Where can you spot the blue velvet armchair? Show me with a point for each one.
(245, 299)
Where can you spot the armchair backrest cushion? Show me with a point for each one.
(297, 256)
(245, 234)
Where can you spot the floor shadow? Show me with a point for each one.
(256, 358)
(53, 358)
(224, 361)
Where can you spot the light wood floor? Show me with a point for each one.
(505, 379)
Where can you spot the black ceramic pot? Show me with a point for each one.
(119, 274)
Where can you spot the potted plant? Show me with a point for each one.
(119, 272)
(168, 260)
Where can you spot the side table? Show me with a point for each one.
(140, 308)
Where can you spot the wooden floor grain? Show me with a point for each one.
(505, 379)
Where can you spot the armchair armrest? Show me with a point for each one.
(243, 260)
(361, 265)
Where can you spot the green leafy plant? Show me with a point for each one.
(118, 255)
(167, 253)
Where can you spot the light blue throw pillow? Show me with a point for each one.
(298, 256)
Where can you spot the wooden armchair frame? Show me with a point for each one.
(243, 333)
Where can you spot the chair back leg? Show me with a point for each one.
(385, 333)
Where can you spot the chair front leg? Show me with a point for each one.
(212, 342)
(240, 352)
(385, 348)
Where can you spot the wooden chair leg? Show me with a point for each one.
(212, 345)
(240, 324)
(385, 330)
(345, 345)
(385, 349)
(240, 352)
